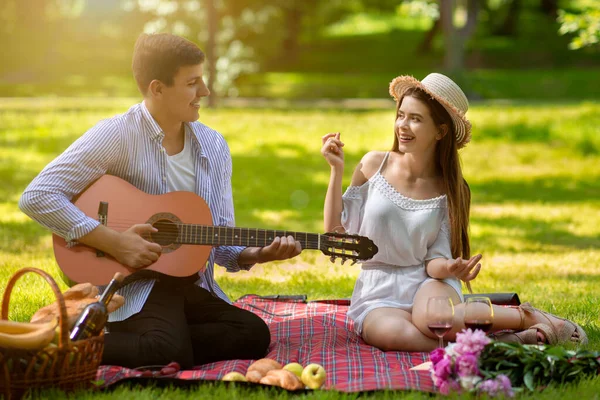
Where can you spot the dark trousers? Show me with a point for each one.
(183, 322)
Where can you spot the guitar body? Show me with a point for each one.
(128, 206)
(184, 230)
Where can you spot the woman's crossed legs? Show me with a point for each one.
(395, 329)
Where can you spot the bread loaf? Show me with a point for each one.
(259, 369)
(74, 309)
(282, 378)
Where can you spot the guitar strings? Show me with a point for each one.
(242, 241)
(307, 243)
(258, 231)
(126, 223)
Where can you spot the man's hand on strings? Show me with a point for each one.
(134, 251)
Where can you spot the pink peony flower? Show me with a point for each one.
(490, 386)
(443, 369)
(454, 386)
(456, 367)
(467, 365)
(447, 386)
(469, 341)
(506, 385)
(437, 355)
(444, 387)
(494, 387)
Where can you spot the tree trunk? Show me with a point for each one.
(453, 61)
(293, 22)
(473, 7)
(455, 40)
(425, 45)
(509, 25)
(549, 8)
(212, 19)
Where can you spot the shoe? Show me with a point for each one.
(529, 335)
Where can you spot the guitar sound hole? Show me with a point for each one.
(167, 234)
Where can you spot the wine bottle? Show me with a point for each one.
(92, 319)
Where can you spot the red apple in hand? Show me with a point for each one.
(313, 376)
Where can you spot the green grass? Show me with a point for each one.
(532, 167)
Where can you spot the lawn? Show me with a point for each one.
(532, 167)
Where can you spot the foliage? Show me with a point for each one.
(585, 26)
(534, 367)
(190, 19)
(243, 26)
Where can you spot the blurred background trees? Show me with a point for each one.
(304, 48)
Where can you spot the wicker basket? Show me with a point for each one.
(69, 366)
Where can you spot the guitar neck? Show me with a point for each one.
(228, 236)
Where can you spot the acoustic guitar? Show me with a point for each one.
(185, 232)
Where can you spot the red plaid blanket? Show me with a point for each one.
(314, 332)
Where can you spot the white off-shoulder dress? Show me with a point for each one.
(407, 232)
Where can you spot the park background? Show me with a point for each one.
(284, 73)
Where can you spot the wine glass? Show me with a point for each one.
(479, 313)
(440, 315)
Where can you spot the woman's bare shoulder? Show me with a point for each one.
(367, 167)
(372, 161)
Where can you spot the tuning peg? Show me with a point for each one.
(353, 262)
(332, 258)
(343, 260)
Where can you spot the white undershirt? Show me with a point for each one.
(180, 170)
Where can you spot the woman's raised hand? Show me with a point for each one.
(465, 270)
(332, 149)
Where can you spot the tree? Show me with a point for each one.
(218, 26)
(549, 7)
(241, 35)
(584, 25)
(30, 29)
(456, 38)
(509, 24)
(212, 18)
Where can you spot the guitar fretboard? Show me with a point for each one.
(227, 236)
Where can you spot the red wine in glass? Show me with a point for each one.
(482, 325)
(440, 316)
(479, 313)
(439, 330)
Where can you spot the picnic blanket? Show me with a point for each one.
(312, 332)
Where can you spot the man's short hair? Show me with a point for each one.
(159, 56)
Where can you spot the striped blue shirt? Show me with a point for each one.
(129, 146)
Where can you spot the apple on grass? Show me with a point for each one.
(234, 377)
(295, 368)
(313, 376)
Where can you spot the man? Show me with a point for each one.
(158, 146)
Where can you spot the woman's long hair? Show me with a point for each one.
(448, 166)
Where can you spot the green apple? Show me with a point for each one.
(234, 377)
(313, 376)
(295, 368)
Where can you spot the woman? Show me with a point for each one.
(414, 204)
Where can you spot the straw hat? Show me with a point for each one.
(446, 92)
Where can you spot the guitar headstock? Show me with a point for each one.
(347, 247)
